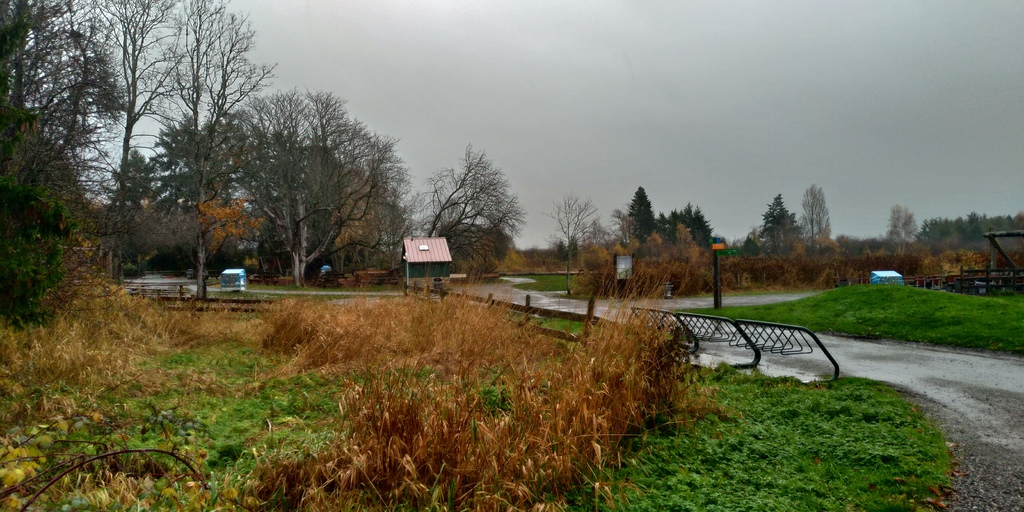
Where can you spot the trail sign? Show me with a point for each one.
(623, 266)
(718, 250)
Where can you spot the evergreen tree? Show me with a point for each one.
(749, 247)
(779, 229)
(33, 226)
(698, 224)
(666, 226)
(642, 213)
(692, 218)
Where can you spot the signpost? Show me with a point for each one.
(623, 271)
(718, 249)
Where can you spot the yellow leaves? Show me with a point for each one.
(21, 462)
(12, 477)
(226, 220)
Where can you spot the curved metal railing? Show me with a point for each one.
(754, 335)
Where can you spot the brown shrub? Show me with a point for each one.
(453, 337)
(507, 419)
(757, 272)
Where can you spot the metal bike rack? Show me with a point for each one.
(709, 328)
(753, 335)
(784, 339)
(665, 321)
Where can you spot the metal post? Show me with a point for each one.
(718, 280)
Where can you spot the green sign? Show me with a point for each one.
(727, 252)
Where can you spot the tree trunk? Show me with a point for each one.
(200, 267)
(298, 266)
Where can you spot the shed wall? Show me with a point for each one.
(421, 270)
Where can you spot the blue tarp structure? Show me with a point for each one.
(232, 279)
(886, 277)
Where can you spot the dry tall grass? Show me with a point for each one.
(94, 342)
(452, 406)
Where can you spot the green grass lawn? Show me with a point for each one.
(544, 283)
(902, 313)
(570, 326)
(852, 444)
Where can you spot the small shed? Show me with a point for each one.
(886, 277)
(424, 259)
(232, 280)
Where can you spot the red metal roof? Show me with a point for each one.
(426, 250)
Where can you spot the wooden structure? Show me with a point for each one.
(994, 277)
(425, 260)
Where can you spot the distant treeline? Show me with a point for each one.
(966, 231)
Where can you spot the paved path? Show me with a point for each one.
(976, 396)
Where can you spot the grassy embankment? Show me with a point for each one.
(408, 404)
(902, 313)
(852, 444)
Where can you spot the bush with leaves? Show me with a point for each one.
(33, 227)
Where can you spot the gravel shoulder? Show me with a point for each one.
(989, 474)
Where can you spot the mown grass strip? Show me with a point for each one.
(544, 283)
(848, 445)
(902, 313)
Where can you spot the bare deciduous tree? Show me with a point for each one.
(321, 178)
(213, 78)
(623, 224)
(62, 73)
(576, 221)
(474, 209)
(142, 41)
(902, 227)
(815, 220)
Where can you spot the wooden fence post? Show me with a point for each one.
(590, 318)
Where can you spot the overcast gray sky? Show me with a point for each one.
(722, 104)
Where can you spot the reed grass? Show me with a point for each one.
(451, 406)
(96, 342)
